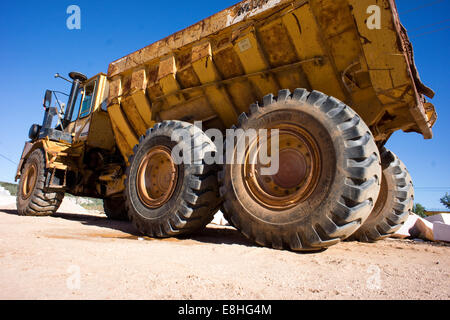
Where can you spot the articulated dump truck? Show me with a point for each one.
(331, 80)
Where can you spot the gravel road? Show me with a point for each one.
(76, 255)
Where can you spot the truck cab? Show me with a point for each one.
(77, 139)
(91, 125)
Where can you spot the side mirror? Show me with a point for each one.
(48, 99)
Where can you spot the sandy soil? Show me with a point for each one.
(84, 256)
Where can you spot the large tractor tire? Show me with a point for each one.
(328, 180)
(164, 198)
(114, 209)
(394, 204)
(32, 199)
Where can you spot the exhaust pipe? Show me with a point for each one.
(78, 79)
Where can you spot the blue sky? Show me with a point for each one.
(35, 44)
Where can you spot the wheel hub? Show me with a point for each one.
(157, 177)
(29, 181)
(299, 170)
(293, 169)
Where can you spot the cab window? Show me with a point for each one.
(77, 103)
(88, 99)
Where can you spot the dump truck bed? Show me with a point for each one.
(215, 69)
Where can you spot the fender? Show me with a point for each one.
(52, 149)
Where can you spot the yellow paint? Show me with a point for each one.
(134, 117)
(252, 59)
(218, 97)
(120, 122)
(321, 77)
(143, 107)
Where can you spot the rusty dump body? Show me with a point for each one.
(214, 70)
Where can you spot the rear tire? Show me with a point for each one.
(394, 204)
(347, 170)
(186, 203)
(115, 209)
(32, 199)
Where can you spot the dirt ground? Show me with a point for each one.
(84, 256)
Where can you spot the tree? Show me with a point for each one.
(445, 200)
(419, 210)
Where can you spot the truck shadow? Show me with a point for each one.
(212, 234)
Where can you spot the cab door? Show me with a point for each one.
(92, 126)
(87, 104)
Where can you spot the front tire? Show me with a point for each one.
(329, 176)
(32, 198)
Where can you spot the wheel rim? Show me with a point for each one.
(157, 177)
(298, 174)
(29, 182)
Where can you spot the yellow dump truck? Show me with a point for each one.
(329, 80)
